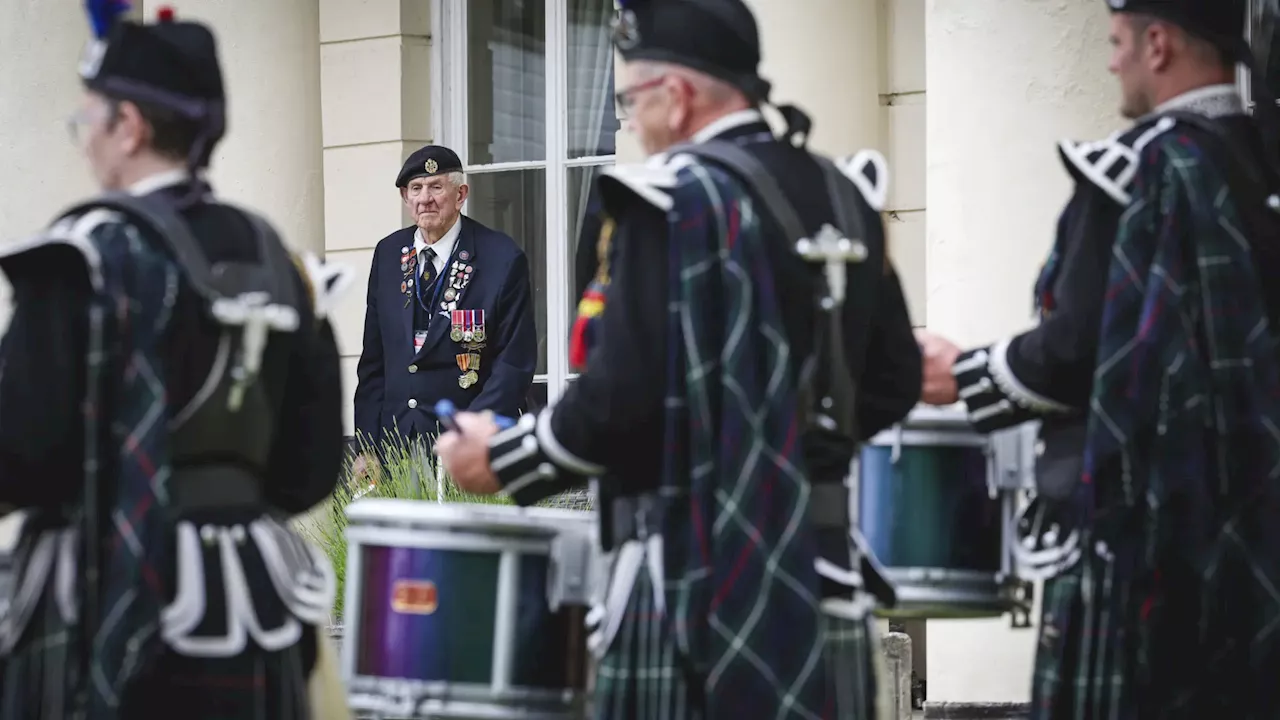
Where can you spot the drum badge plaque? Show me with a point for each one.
(468, 331)
(414, 597)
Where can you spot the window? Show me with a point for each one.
(1264, 38)
(527, 98)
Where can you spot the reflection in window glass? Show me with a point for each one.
(506, 81)
(515, 202)
(593, 119)
(1267, 54)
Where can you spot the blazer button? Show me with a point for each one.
(413, 368)
(412, 403)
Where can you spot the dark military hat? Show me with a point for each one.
(1221, 22)
(169, 64)
(428, 161)
(717, 37)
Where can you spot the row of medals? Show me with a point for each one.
(472, 338)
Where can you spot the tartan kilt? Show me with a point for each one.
(43, 671)
(642, 677)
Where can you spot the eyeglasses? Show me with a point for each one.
(75, 126)
(626, 98)
(81, 119)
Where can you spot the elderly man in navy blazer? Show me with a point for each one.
(449, 314)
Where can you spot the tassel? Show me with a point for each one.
(580, 339)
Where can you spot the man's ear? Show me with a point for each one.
(464, 191)
(137, 131)
(404, 196)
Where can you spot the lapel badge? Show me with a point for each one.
(464, 255)
(431, 166)
(408, 263)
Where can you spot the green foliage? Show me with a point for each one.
(407, 472)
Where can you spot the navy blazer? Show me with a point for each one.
(398, 388)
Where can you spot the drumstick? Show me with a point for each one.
(445, 410)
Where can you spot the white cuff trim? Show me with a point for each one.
(558, 454)
(1002, 374)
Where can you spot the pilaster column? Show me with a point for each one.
(376, 75)
(1006, 79)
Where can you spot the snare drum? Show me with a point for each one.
(467, 611)
(929, 512)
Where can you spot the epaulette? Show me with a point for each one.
(650, 181)
(325, 281)
(870, 173)
(1111, 164)
(75, 231)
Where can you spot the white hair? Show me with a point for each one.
(457, 178)
(713, 90)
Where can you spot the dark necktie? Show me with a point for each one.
(428, 261)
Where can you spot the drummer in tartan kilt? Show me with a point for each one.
(689, 409)
(170, 397)
(1154, 371)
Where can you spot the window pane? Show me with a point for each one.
(537, 396)
(593, 118)
(506, 80)
(585, 214)
(515, 202)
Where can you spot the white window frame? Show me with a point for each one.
(1242, 75)
(450, 110)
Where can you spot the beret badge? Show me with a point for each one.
(431, 165)
(626, 32)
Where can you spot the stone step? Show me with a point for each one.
(976, 711)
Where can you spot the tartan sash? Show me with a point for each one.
(126, 466)
(742, 593)
(1172, 613)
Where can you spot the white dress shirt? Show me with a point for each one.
(443, 247)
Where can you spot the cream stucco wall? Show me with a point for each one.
(1006, 78)
(375, 65)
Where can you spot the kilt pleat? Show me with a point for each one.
(642, 676)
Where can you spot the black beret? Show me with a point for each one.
(717, 37)
(1221, 22)
(428, 161)
(172, 64)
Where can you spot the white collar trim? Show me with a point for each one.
(724, 124)
(158, 181)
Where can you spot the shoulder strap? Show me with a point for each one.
(762, 184)
(169, 225)
(756, 176)
(164, 221)
(842, 191)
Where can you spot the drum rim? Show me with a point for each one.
(427, 514)
(447, 691)
(927, 438)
